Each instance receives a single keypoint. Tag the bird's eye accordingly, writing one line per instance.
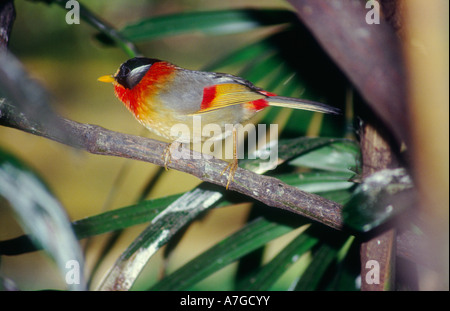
(133, 70)
(135, 76)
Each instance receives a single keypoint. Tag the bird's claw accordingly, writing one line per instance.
(233, 167)
(167, 155)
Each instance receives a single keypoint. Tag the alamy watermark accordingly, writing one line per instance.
(373, 275)
(73, 15)
(73, 274)
(258, 145)
(373, 15)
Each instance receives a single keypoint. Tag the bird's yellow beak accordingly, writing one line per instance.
(106, 79)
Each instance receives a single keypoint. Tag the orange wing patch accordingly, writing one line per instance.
(229, 94)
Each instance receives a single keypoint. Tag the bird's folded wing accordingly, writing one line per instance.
(228, 94)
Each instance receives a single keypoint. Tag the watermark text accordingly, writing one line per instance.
(258, 146)
(73, 15)
(373, 15)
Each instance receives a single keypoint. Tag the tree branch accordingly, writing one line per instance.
(98, 140)
(377, 155)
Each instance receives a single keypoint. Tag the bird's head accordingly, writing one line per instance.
(131, 72)
(138, 80)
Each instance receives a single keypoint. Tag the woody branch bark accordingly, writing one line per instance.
(377, 155)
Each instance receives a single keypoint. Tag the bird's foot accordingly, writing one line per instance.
(233, 167)
(167, 154)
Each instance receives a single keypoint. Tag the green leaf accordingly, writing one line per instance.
(341, 156)
(98, 224)
(339, 196)
(287, 149)
(333, 186)
(249, 238)
(262, 69)
(122, 218)
(248, 54)
(162, 228)
(267, 275)
(41, 215)
(325, 255)
(315, 182)
(380, 197)
(208, 22)
(285, 82)
(349, 268)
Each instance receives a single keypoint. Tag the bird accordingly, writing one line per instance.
(162, 95)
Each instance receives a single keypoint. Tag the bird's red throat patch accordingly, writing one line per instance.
(137, 98)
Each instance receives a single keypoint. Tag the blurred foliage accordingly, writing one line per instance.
(40, 214)
(283, 58)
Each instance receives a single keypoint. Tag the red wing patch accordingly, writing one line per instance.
(258, 104)
(209, 94)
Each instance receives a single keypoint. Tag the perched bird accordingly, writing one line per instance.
(162, 95)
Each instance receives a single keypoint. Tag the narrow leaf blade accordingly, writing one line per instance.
(208, 22)
(265, 277)
(249, 238)
(130, 264)
(341, 156)
(42, 216)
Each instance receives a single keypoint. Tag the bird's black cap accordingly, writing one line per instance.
(133, 70)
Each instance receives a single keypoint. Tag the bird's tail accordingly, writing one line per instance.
(295, 103)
